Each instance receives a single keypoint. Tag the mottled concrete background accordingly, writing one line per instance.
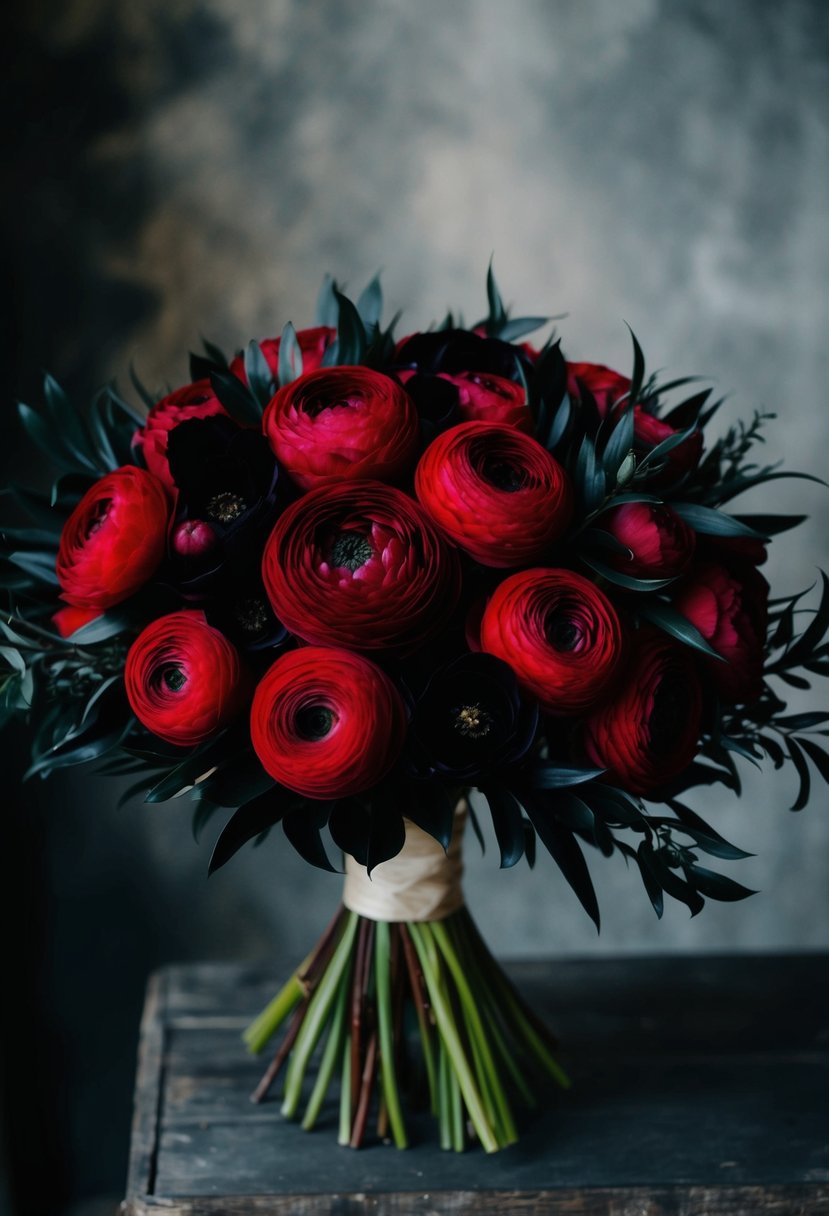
(181, 168)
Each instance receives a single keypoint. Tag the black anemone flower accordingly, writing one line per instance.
(242, 611)
(226, 477)
(458, 350)
(471, 720)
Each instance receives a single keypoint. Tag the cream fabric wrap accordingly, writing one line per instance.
(420, 883)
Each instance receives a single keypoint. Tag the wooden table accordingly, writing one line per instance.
(701, 1086)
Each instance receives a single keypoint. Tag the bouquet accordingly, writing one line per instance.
(343, 580)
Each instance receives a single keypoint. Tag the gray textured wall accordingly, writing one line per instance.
(662, 163)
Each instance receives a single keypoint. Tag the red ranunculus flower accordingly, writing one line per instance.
(485, 398)
(360, 565)
(193, 401)
(327, 723)
(606, 386)
(649, 731)
(342, 422)
(313, 343)
(730, 609)
(660, 542)
(184, 679)
(495, 491)
(559, 633)
(114, 540)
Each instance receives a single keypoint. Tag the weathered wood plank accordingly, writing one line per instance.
(700, 1087)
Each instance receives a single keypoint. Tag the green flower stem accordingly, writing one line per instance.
(419, 1000)
(456, 1105)
(487, 1070)
(469, 951)
(444, 1118)
(265, 1026)
(344, 1135)
(382, 959)
(522, 1023)
(333, 1049)
(446, 1025)
(316, 1017)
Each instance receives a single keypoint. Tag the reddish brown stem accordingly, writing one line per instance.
(261, 1091)
(322, 953)
(357, 989)
(416, 980)
(370, 1068)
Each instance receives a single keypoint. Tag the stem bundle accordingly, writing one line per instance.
(479, 1048)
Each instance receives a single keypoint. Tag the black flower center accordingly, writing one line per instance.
(173, 677)
(226, 506)
(503, 474)
(472, 721)
(563, 633)
(351, 550)
(252, 614)
(314, 722)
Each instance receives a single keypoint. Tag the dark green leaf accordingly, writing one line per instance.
(564, 849)
(802, 768)
(508, 823)
(290, 356)
(497, 312)
(817, 755)
(39, 565)
(519, 327)
(549, 776)
(677, 626)
(637, 378)
(710, 522)
(619, 444)
(625, 580)
(236, 398)
(429, 806)
(817, 627)
(669, 880)
(303, 829)
(251, 819)
(716, 886)
(327, 307)
(351, 333)
(214, 353)
(370, 304)
(259, 375)
(387, 835)
(771, 525)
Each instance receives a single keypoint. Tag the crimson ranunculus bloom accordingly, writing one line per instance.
(327, 723)
(313, 343)
(495, 492)
(606, 386)
(731, 612)
(649, 731)
(485, 398)
(661, 544)
(193, 401)
(114, 540)
(559, 633)
(342, 422)
(360, 565)
(184, 679)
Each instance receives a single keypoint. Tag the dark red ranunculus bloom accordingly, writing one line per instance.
(660, 543)
(606, 386)
(648, 732)
(193, 401)
(184, 679)
(495, 492)
(313, 343)
(730, 609)
(327, 723)
(114, 540)
(488, 398)
(342, 422)
(360, 565)
(559, 633)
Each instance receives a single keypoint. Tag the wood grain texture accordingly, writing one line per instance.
(700, 1088)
